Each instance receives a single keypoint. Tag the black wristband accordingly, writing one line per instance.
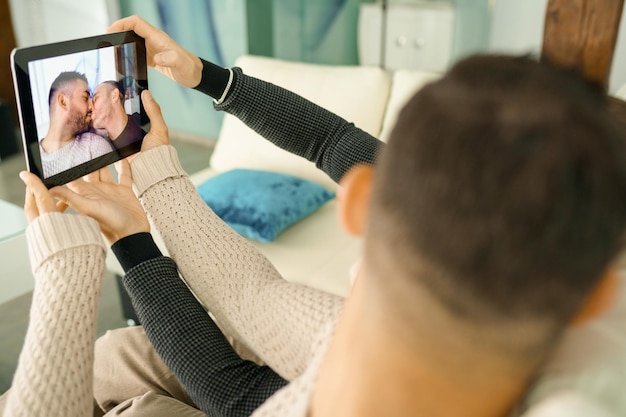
(132, 250)
(214, 79)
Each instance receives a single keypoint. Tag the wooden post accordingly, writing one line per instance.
(7, 43)
(582, 34)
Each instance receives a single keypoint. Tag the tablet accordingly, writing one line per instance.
(79, 104)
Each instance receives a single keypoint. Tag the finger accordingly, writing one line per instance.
(140, 26)
(30, 207)
(62, 206)
(156, 39)
(131, 157)
(121, 25)
(92, 177)
(44, 201)
(165, 62)
(124, 173)
(82, 188)
(76, 201)
(153, 110)
(158, 128)
(73, 185)
(168, 59)
(105, 175)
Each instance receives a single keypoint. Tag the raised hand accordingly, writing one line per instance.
(164, 54)
(113, 205)
(38, 199)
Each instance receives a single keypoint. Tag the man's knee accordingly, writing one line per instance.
(127, 366)
(120, 363)
(119, 352)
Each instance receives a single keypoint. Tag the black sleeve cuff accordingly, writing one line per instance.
(135, 249)
(214, 79)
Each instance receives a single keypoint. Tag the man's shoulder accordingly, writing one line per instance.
(134, 119)
(93, 143)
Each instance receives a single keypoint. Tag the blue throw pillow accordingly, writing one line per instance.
(261, 204)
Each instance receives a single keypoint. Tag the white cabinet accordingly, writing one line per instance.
(416, 35)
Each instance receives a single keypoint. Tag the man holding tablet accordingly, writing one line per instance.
(68, 142)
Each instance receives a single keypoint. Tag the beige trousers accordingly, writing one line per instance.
(129, 376)
(130, 379)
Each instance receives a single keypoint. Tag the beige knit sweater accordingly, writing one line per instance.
(55, 368)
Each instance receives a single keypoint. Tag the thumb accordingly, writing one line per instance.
(166, 59)
(158, 134)
(124, 173)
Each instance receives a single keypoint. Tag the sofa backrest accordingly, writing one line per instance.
(621, 92)
(358, 94)
(403, 86)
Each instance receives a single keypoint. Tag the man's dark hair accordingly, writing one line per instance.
(62, 79)
(502, 192)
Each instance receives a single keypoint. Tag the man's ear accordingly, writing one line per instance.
(63, 101)
(353, 198)
(599, 299)
(116, 96)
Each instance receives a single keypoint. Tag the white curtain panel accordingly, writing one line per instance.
(38, 22)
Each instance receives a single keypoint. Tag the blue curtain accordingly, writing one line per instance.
(320, 31)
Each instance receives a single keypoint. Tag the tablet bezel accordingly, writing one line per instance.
(20, 58)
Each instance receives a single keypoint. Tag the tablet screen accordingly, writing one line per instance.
(80, 104)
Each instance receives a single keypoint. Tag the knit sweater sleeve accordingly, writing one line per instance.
(55, 369)
(241, 288)
(299, 126)
(218, 381)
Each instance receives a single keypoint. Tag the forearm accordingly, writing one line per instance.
(229, 276)
(55, 368)
(290, 121)
(193, 347)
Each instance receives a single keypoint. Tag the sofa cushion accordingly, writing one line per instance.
(403, 86)
(358, 94)
(261, 204)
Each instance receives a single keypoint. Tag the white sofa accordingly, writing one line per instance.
(314, 251)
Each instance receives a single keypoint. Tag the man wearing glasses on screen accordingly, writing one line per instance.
(68, 142)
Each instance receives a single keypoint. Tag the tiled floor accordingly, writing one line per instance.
(14, 314)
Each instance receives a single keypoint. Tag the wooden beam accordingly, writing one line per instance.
(582, 34)
(7, 43)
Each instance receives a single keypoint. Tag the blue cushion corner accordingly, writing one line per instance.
(261, 204)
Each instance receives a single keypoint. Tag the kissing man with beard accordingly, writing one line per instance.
(68, 142)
